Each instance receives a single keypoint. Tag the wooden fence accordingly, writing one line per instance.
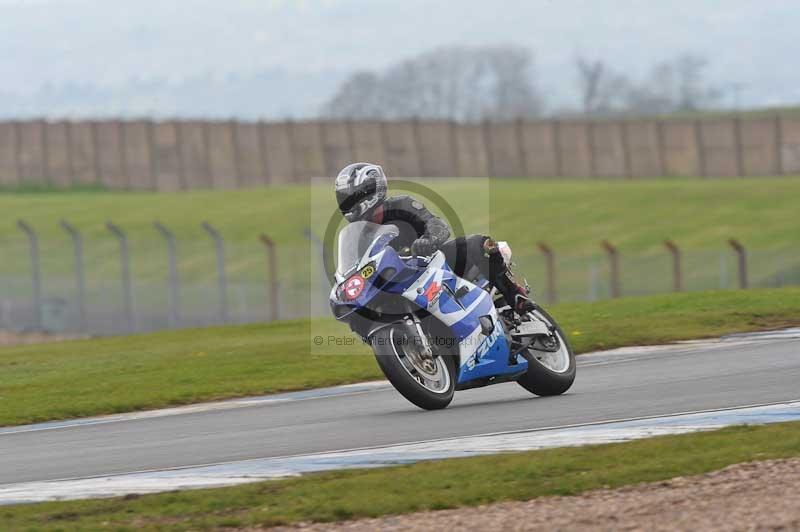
(177, 155)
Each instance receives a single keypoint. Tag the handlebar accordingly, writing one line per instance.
(405, 252)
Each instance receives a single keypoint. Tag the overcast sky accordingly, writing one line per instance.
(109, 42)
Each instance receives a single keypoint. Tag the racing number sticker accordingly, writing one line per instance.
(367, 271)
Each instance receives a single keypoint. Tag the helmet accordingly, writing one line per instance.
(360, 187)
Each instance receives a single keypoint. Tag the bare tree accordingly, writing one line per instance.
(590, 78)
(654, 95)
(451, 83)
(356, 98)
(603, 91)
(673, 86)
(515, 95)
(692, 91)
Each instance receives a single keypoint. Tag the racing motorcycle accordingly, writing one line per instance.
(433, 332)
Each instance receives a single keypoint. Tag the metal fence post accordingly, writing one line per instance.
(677, 277)
(627, 158)
(97, 168)
(152, 153)
(737, 140)
(519, 132)
(45, 146)
(127, 286)
(222, 281)
(233, 128)
(80, 278)
(125, 174)
(177, 127)
(70, 155)
(174, 282)
(589, 127)
(779, 168)
(613, 258)
(661, 146)
(418, 147)
(36, 277)
(262, 151)
(272, 275)
(486, 134)
(742, 256)
(555, 131)
(18, 166)
(453, 138)
(701, 148)
(550, 265)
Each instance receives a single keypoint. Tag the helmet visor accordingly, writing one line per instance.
(352, 197)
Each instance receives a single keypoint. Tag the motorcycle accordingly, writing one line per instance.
(433, 332)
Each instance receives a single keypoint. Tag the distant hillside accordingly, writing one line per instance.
(274, 93)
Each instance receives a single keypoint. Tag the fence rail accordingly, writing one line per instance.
(119, 283)
(178, 155)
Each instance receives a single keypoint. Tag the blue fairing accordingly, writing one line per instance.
(389, 259)
(491, 360)
(431, 285)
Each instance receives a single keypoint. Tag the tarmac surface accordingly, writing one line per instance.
(625, 384)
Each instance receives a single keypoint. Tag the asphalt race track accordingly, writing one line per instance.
(630, 383)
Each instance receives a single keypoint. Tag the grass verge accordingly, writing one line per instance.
(423, 486)
(573, 216)
(121, 374)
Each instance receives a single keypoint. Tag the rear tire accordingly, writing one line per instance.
(390, 346)
(541, 379)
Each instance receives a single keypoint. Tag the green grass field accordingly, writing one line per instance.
(38, 382)
(342, 495)
(121, 374)
(573, 216)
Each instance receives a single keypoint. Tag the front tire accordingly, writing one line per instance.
(429, 383)
(549, 373)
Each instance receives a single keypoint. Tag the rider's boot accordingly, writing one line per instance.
(514, 293)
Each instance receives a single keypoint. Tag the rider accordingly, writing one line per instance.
(361, 194)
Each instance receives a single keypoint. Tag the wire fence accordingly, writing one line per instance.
(114, 283)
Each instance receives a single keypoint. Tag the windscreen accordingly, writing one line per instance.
(355, 240)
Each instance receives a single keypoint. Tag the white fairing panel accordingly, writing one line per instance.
(463, 321)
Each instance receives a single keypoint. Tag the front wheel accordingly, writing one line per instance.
(550, 371)
(426, 381)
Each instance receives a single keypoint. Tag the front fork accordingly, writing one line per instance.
(421, 339)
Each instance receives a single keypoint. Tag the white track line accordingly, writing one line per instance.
(253, 470)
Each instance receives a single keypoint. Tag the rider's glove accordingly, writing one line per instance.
(423, 247)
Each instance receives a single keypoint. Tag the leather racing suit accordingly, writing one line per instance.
(424, 233)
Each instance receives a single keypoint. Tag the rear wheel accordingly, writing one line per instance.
(427, 381)
(551, 368)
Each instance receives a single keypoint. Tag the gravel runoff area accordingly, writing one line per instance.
(751, 496)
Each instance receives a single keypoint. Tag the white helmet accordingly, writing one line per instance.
(360, 187)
